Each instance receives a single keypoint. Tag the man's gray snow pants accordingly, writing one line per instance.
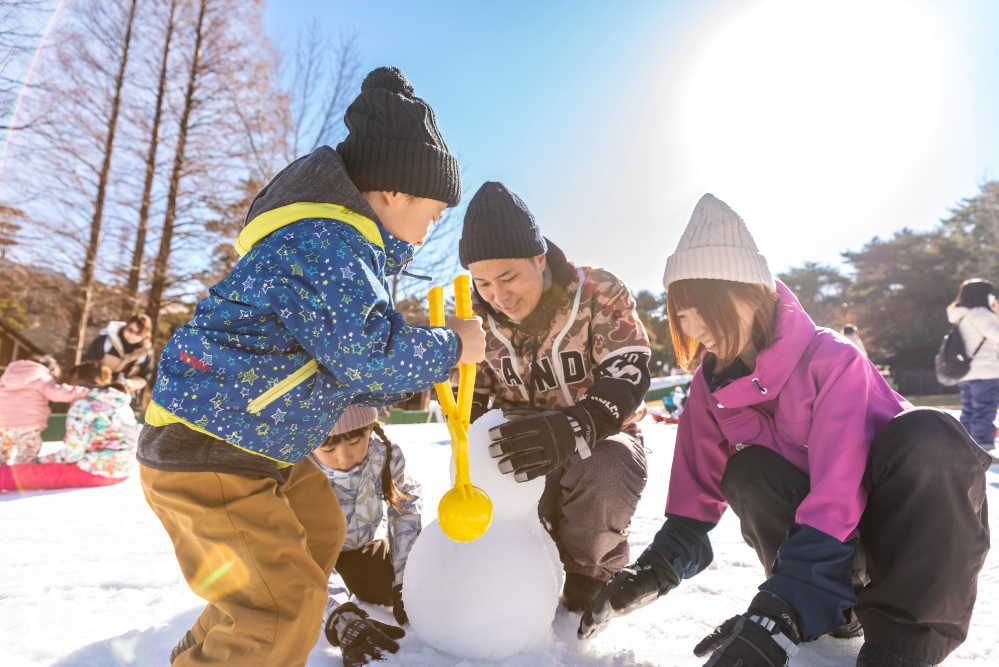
(588, 504)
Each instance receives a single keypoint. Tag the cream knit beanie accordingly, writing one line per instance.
(353, 418)
(717, 245)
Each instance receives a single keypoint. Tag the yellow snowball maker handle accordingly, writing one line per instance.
(465, 512)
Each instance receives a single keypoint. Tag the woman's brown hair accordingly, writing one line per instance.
(389, 490)
(144, 323)
(715, 302)
(91, 372)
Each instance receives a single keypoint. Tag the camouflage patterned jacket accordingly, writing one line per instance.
(583, 343)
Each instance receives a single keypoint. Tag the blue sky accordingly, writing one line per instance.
(822, 125)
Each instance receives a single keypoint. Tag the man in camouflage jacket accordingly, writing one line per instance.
(567, 361)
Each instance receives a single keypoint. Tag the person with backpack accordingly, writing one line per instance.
(973, 314)
(869, 516)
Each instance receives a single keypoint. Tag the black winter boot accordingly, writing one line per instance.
(185, 643)
(852, 628)
(872, 655)
(580, 591)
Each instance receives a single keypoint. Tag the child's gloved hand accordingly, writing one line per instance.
(473, 338)
(398, 609)
(361, 639)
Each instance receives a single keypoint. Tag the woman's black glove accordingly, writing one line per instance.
(536, 441)
(637, 585)
(398, 609)
(765, 636)
(361, 639)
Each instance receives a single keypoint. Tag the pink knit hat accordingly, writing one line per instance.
(353, 418)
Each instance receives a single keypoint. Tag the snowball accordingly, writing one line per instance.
(494, 597)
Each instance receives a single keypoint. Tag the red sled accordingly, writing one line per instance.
(36, 476)
(664, 419)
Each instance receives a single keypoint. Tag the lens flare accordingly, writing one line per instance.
(222, 572)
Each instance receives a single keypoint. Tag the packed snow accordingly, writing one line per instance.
(89, 579)
(495, 596)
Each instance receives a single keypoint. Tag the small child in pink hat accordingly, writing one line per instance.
(367, 470)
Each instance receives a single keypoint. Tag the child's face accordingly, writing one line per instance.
(511, 286)
(406, 218)
(347, 454)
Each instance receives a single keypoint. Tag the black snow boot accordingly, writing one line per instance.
(852, 628)
(187, 642)
(580, 591)
(872, 655)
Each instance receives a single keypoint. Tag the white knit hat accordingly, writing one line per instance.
(717, 245)
(353, 418)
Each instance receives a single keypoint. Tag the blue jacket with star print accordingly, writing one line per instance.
(302, 327)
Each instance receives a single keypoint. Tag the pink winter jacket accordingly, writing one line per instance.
(813, 398)
(25, 391)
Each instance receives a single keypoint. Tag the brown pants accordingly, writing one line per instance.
(287, 535)
(368, 572)
(588, 504)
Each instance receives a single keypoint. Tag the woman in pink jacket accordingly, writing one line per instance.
(26, 388)
(868, 515)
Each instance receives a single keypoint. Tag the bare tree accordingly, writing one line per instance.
(166, 237)
(19, 31)
(138, 253)
(324, 79)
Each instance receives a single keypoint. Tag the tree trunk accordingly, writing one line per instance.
(135, 269)
(163, 257)
(81, 313)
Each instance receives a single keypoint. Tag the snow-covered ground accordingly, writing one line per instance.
(88, 577)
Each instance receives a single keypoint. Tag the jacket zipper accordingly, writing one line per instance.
(283, 387)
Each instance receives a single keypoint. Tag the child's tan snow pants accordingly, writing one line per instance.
(288, 536)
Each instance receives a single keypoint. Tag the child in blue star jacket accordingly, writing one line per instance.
(301, 328)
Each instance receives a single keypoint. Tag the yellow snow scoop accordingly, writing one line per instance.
(465, 512)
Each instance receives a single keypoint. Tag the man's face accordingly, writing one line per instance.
(511, 286)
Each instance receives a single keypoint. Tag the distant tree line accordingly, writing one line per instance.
(893, 290)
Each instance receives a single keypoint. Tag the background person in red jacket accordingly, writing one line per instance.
(567, 356)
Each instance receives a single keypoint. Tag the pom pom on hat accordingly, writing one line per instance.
(391, 79)
(717, 245)
(353, 418)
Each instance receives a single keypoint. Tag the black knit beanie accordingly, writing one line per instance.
(499, 226)
(393, 143)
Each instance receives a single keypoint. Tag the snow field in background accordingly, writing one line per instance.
(88, 578)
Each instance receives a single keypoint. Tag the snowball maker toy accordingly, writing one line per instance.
(465, 512)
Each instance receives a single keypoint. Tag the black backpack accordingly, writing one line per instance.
(951, 363)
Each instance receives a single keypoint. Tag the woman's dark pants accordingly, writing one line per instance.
(979, 401)
(924, 534)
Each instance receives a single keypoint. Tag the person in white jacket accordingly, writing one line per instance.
(974, 313)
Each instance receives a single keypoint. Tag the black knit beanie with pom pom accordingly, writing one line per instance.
(394, 144)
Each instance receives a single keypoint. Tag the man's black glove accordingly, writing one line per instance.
(361, 639)
(398, 609)
(536, 441)
(637, 585)
(765, 636)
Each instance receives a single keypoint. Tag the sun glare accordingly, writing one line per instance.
(833, 104)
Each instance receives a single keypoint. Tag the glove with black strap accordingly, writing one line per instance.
(765, 636)
(361, 639)
(637, 585)
(536, 441)
(398, 609)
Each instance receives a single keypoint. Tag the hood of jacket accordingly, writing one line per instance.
(20, 374)
(956, 313)
(540, 319)
(110, 396)
(317, 185)
(793, 333)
